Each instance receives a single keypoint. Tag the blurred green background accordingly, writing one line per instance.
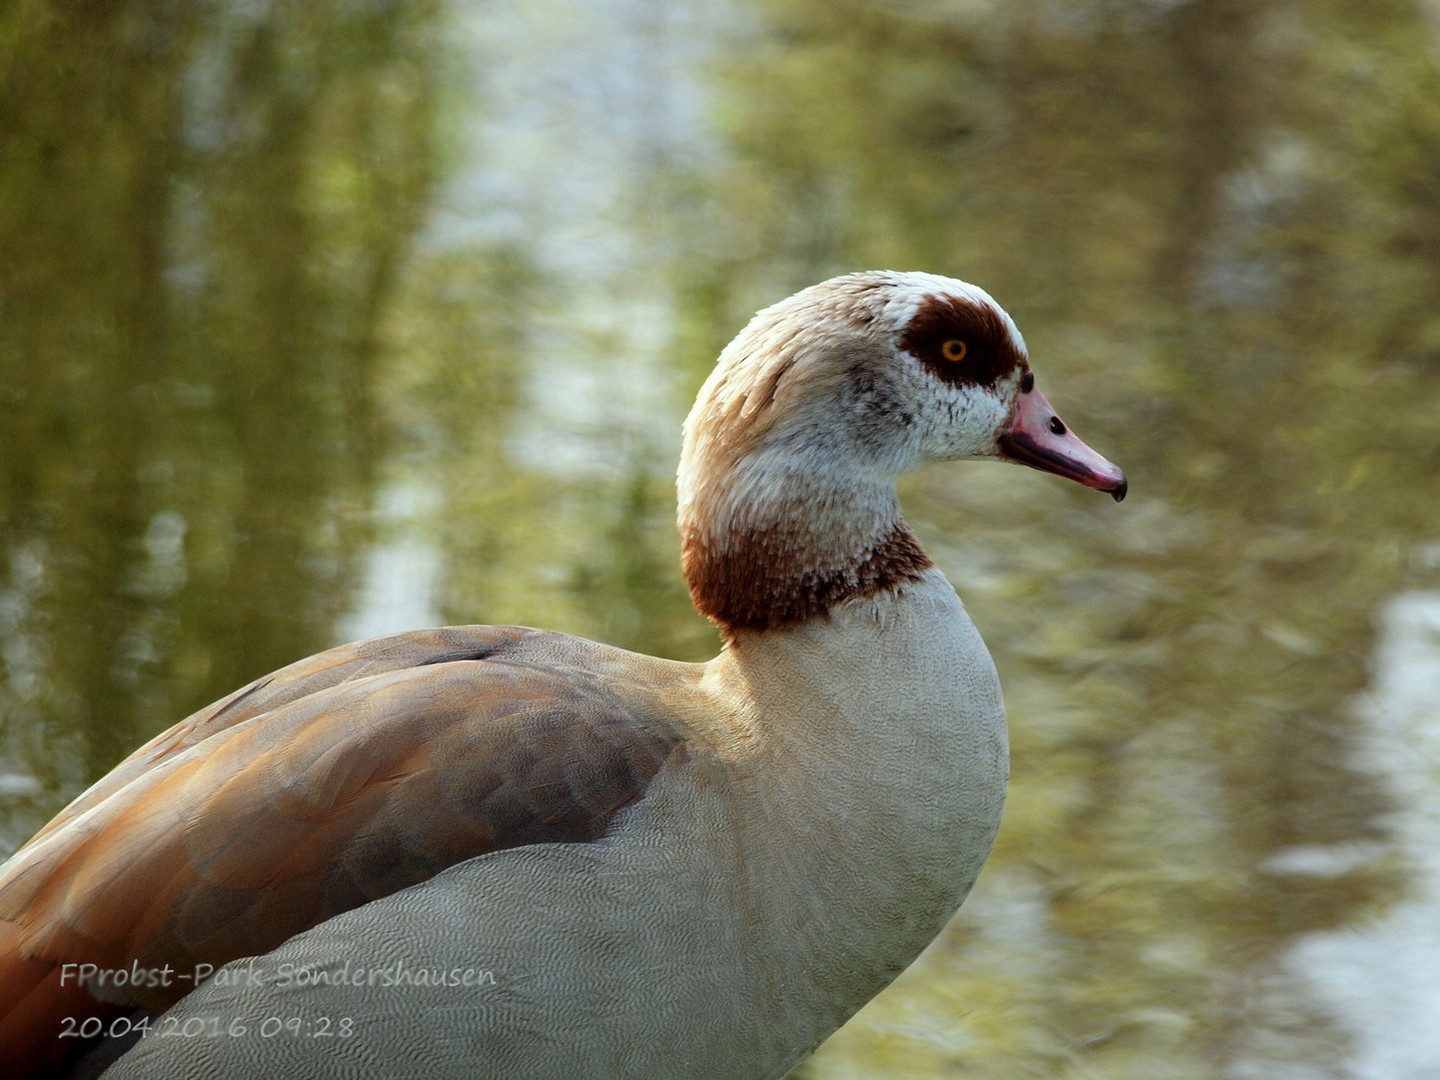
(324, 319)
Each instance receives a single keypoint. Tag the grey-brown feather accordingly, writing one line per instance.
(335, 782)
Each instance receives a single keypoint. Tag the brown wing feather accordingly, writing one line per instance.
(339, 780)
(314, 673)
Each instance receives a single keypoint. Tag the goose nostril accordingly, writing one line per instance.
(1057, 425)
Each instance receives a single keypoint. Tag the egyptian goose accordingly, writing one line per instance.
(502, 852)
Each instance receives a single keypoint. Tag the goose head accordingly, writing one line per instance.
(816, 408)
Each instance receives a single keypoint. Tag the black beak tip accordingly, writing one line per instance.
(1119, 493)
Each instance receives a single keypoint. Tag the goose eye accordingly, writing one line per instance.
(954, 350)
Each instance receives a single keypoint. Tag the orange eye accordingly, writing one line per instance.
(954, 350)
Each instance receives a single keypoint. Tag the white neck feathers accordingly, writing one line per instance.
(787, 497)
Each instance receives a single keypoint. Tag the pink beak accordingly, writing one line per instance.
(1039, 438)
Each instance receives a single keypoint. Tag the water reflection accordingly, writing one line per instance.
(301, 304)
(201, 217)
(1383, 976)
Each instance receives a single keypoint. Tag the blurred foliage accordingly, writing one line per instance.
(229, 323)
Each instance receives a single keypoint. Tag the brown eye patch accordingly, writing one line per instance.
(961, 341)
